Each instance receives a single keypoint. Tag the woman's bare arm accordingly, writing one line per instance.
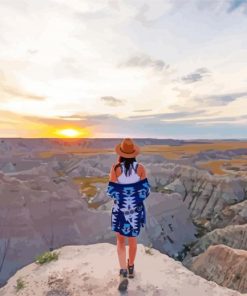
(141, 171)
(113, 174)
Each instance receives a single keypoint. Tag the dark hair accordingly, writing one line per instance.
(128, 162)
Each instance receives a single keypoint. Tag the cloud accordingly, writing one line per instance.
(207, 120)
(176, 107)
(142, 110)
(196, 76)
(172, 115)
(236, 4)
(9, 90)
(32, 51)
(6, 122)
(64, 62)
(226, 118)
(15, 92)
(164, 125)
(78, 120)
(112, 101)
(15, 125)
(109, 125)
(150, 14)
(72, 117)
(141, 16)
(180, 114)
(114, 4)
(220, 100)
(100, 118)
(145, 61)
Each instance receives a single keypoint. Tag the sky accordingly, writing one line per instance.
(124, 68)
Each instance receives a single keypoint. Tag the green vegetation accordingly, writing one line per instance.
(46, 257)
(87, 184)
(20, 284)
(148, 250)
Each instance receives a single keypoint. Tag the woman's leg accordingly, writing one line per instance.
(132, 249)
(121, 250)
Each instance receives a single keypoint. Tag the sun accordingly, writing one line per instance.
(70, 133)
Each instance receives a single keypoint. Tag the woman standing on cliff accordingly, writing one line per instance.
(129, 187)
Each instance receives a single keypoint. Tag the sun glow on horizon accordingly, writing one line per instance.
(72, 133)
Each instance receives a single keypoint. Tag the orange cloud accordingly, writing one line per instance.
(16, 125)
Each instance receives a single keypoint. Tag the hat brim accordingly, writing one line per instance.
(127, 155)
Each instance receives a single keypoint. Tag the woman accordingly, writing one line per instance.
(128, 186)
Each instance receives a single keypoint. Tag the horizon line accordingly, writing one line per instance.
(153, 138)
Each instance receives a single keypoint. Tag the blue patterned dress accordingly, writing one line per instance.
(128, 212)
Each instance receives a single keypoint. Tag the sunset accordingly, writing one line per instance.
(123, 147)
(72, 133)
(123, 67)
(69, 132)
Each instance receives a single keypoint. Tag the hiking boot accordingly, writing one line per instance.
(123, 280)
(131, 270)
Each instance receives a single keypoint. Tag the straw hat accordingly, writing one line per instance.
(127, 148)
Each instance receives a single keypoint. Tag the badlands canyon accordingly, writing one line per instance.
(53, 196)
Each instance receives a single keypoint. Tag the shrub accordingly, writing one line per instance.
(46, 257)
(148, 251)
(20, 284)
